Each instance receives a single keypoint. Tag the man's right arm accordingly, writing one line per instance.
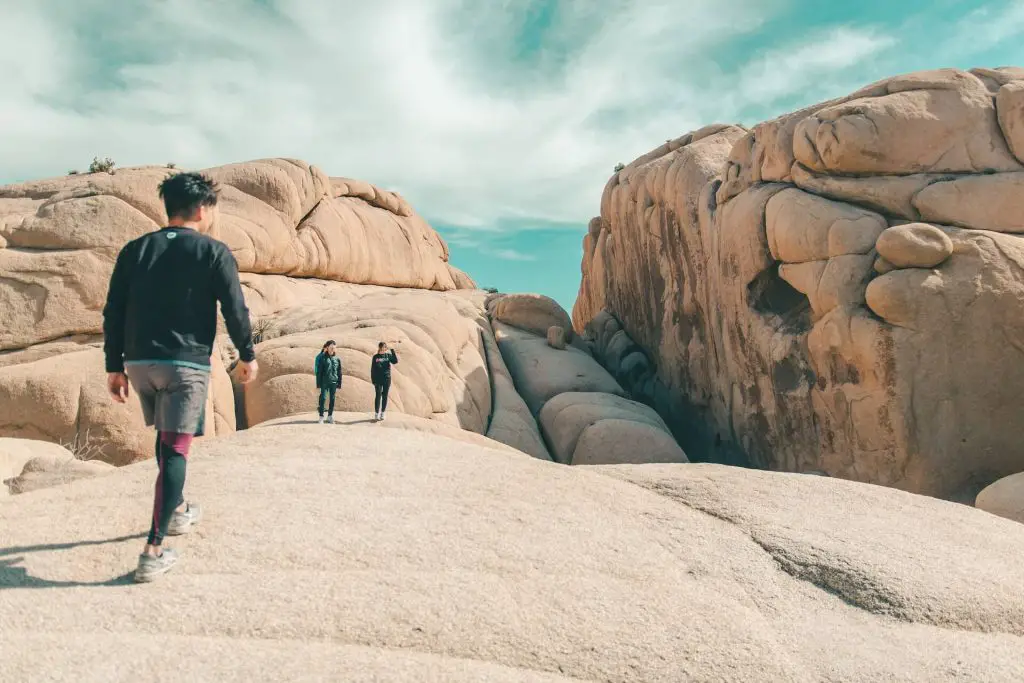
(228, 290)
(115, 311)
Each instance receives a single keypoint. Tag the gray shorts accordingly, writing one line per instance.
(173, 397)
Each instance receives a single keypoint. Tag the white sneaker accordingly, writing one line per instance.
(321, 420)
(376, 417)
(381, 417)
(330, 419)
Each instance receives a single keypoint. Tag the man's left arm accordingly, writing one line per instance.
(115, 312)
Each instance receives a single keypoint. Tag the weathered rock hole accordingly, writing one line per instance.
(771, 296)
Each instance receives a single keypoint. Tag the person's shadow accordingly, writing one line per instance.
(14, 576)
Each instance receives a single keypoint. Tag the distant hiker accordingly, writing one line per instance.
(327, 368)
(380, 375)
(159, 325)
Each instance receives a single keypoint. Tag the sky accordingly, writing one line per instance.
(500, 121)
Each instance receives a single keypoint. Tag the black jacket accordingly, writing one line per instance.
(162, 301)
(380, 366)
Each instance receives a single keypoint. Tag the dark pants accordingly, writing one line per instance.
(171, 457)
(380, 399)
(324, 393)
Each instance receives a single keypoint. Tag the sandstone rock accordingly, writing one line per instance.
(440, 544)
(57, 392)
(512, 423)
(915, 245)
(278, 215)
(1004, 498)
(556, 337)
(983, 202)
(933, 122)
(541, 372)
(890, 194)
(595, 429)
(814, 328)
(531, 312)
(46, 471)
(14, 453)
(1010, 104)
(802, 227)
(441, 374)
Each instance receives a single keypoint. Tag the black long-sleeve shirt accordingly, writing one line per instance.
(380, 366)
(162, 301)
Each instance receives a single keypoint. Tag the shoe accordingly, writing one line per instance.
(152, 567)
(381, 418)
(182, 522)
(321, 420)
(330, 419)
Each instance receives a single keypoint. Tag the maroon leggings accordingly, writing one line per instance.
(171, 457)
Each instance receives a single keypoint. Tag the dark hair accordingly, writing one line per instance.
(183, 193)
(381, 345)
(326, 344)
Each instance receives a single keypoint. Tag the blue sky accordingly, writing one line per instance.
(500, 121)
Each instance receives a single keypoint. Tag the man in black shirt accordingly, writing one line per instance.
(159, 325)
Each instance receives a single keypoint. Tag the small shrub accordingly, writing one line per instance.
(619, 167)
(104, 166)
(72, 172)
(491, 290)
(82, 446)
(171, 164)
(259, 328)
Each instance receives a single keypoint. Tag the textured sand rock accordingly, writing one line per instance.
(59, 238)
(449, 561)
(832, 290)
(1004, 498)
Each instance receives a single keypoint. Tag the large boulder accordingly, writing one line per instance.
(14, 453)
(1004, 498)
(46, 471)
(442, 372)
(59, 238)
(818, 293)
(57, 392)
(534, 313)
(605, 429)
(451, 561)
(541, 372)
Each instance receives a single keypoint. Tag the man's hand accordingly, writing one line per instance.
(247, 371)
(117, 386)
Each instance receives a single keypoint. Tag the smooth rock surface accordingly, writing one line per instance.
(1004, 498)
(454, 562)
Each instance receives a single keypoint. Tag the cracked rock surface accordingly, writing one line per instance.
(839, 289)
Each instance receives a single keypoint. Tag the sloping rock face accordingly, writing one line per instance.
(837, 289)
(451, 561)
(584, 415)
(283, 217)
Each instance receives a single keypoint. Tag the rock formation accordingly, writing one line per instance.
(451, 561)
(1004, 498)
(582, 411)
(283, 219)
(320, 258)
(838, 289)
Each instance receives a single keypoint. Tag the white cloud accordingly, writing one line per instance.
(417, 95)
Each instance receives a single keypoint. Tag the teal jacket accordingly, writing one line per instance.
(327, 370)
